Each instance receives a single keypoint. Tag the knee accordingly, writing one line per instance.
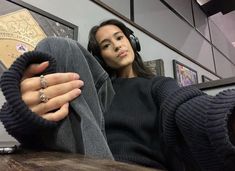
(55, 44)
(51, 41)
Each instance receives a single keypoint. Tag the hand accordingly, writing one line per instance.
(61, 89)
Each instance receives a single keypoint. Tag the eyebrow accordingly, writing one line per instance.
(108, 39)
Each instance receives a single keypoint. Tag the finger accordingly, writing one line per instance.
(56, 102)
(34, 69)
(59, 114)
(51, 79)
(32, 97)
(60, 89)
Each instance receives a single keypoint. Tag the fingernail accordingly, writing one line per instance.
(46, 62)
(76, 76)
(77, 92)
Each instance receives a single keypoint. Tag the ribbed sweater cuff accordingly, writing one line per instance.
(15, 114)
(168, 111)
(218, 120)
(203, 121)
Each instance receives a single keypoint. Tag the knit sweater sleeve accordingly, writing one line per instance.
(17, 118)
(202, 121)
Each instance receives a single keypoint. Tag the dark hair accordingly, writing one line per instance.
(94, 48)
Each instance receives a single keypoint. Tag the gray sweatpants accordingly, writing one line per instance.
(86, 111)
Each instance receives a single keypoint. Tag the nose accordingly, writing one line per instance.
(117, 45)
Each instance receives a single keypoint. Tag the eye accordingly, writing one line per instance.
(105, 46)
(120, 37)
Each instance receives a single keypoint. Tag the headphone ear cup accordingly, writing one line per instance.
(138, 48)
(135, 42)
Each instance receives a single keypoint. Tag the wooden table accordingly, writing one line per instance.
(50, 161)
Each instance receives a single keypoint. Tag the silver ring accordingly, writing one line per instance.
(42, 96)
(43, 81)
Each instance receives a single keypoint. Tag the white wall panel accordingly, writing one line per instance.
(121, 6)
(224, 67)
(183, 7)
(163, 23)
(221, 42)
(201, 21)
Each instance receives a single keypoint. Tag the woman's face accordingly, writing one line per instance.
(116, 49)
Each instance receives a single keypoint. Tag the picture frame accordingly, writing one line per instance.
(156, 66)
(184, 75)
(22, 26)
(205, 79)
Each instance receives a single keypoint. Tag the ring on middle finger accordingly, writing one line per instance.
(43, 98)
(43, 81)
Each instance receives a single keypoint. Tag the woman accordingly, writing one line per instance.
(148, 120)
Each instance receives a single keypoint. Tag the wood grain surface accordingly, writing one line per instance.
(50, 161)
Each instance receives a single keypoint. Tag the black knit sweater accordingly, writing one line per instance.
(132, 123)
(191, 127)
(18, 119)
(146, 126)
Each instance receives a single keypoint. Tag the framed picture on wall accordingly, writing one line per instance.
(205, 79)
(156, 66)
(184, 75)
(22, 26)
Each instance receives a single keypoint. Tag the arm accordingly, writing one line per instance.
(205, 122)
(23, 116)
(201, 120)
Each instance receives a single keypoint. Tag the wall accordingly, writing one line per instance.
(183, 25)
(73, 11)
(123, 6)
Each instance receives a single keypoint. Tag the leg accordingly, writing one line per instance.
(72, 57)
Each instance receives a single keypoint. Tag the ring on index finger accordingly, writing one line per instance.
(43, 98)
(43, 81)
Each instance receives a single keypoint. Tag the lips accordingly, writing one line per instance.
(122, 53)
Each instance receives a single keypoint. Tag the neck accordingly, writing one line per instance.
(126, 72)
